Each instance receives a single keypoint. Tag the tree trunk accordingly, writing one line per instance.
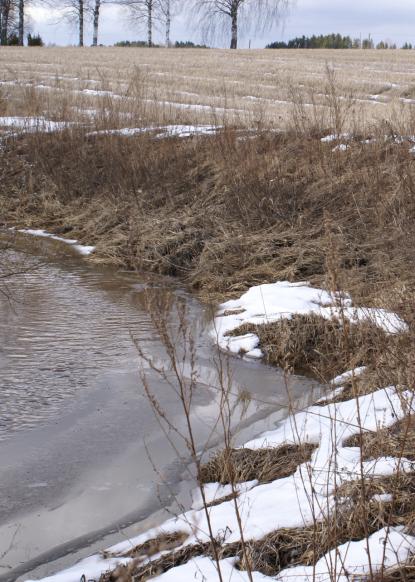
(234, 31)
(21, 22)
(96, 22)
(168, 23)
(4, 18)
(81, 22)
(150, 22)
(1, 20)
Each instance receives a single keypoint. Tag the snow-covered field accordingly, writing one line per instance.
(306, 497)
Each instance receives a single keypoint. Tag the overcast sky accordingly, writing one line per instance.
(383, 19)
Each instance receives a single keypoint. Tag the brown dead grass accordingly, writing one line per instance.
(395, 441)
(313, 345)
(265, 465)
(226, 213)
(221, 213)
(289, 547)
(254, 88)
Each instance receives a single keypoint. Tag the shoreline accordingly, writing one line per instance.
(257, 423)
(385, 399)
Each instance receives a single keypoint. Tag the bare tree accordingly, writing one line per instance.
(96, 13)
(219, 14)
(21, 22)
(165, 11)
(7, 20)
(74, 11)
(142, 11)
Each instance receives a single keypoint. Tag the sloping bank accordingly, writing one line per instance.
(330, 491)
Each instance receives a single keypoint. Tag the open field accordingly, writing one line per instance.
(250, 88)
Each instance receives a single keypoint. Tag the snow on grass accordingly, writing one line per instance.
(213, 492)
(162, 131)
(387, 548)
(204, 569)
(33, 124)
(346, 376)
(343, 147)
(272, 302)
(336, 137)
(348, 561)
(99, 93)
(82, 249)
(309, 494)
(294, 501)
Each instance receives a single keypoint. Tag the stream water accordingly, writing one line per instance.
(78, 439)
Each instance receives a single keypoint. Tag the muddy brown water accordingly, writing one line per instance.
(78, 438)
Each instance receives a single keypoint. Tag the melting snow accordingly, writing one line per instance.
(33, 124)
(164, 131)
(272, 302)
(82, 249)
(293, 501)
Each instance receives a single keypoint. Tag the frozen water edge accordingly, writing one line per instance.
(310, 493)
(82, 249)
(290, 502)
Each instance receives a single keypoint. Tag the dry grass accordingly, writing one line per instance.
(251, 88)
(398, 440)
(313, 345)
(265, 465)
(221, 213)
(225, 214)
(289, 547)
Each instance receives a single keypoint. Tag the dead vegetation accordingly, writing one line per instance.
(354, 518)
(221, 213)
(265, 465)
(251, 88)
(397, 440)
(313, 345)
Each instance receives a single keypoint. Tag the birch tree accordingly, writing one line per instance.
(227, 15)
(74, 11)
(142, 12)
(7, 20)
(21, 22)
(166, 9)
(95, 15)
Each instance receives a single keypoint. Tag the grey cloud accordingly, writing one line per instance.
(381, 18)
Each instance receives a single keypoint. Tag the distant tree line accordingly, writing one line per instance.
(212, 17)
(333, 41)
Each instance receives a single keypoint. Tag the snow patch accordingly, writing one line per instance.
(294, 501)
(82, 249)
(349, 561)
(163, 131)
(33, 124)
(341, 148)
(272, 302)
(336, 137)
